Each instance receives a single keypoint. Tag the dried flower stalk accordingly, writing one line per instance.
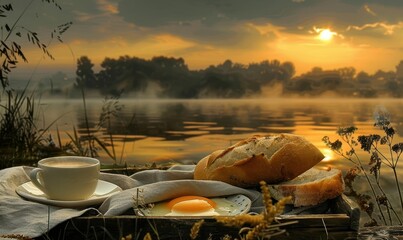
(260, 224)
(371, 144)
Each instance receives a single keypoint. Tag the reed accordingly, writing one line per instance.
(108, 120)
(111, 110)
(22, 140)
(88, 143)
(25, 137)
(378, 205)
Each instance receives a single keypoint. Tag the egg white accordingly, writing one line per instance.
(210, 212)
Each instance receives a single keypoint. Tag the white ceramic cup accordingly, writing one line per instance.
(66, 178)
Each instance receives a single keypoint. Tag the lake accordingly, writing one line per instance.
(148, 131)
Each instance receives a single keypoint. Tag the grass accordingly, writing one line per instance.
(25, 137)
(22, 140)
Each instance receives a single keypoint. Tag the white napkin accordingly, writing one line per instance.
(19, 216)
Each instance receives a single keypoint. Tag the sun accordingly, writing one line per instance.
(326, 35)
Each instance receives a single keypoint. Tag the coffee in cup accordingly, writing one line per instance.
(66, 178)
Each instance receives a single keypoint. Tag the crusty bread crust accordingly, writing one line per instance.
(310, 188)
(272, 159)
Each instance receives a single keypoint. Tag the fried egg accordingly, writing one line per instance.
(193, 206)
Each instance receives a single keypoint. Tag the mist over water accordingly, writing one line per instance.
(156, 130)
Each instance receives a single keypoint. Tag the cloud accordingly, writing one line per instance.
(157, 13)
(209, 31)
(387, 29)
(229, 24)
(392, 3)
(218, 23)
(369, 10)
(108, 6)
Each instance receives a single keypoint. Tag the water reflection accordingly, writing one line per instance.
(187, 130)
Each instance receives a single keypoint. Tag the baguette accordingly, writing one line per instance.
(310, 188)
(272, 159)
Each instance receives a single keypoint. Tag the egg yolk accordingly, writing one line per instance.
(191, 204)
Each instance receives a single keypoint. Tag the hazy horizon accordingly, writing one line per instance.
(329, 34)
(41, 71)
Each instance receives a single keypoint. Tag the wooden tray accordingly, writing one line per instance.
(340, 222)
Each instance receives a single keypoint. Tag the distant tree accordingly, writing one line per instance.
(346, 73)
(381, 75)
(136, 75)
(288, 70)
(394, 88)
(304, 86)
(275, 72)
(110, 76)
(238, 67)
(222, 85)
(368, 93)
(268, 72)
(316, 71)
(85, 75)
(393, 84)
(173, 75)
(363, 77)
(226, 66)
(170, 63)
(399, 71)
(365, 85)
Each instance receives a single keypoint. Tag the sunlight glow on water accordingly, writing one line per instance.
(329, 155)
(177, 130)
(185, 131)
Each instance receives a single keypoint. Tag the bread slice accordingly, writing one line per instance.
(273, 159)
(310, 188)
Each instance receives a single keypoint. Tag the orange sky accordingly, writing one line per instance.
(329, 34)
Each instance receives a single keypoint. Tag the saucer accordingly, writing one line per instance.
(104, 190)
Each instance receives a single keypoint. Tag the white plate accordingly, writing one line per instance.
(225, 206)
(104, 189)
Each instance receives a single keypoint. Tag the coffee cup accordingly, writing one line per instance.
(66, 178)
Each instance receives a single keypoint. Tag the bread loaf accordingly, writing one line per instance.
(310, 188)
(273, 159)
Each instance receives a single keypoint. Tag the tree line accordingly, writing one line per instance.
(171, 78)
(347, 82)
